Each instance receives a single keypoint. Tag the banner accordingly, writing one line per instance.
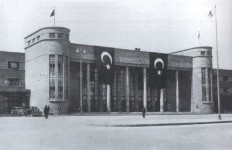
(105, 64)
(158, 70)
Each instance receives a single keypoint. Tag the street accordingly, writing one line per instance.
(74, 132)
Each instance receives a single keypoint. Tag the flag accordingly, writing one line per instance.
(158, 70)
(210, 14)
(105, 64)
(53, 13)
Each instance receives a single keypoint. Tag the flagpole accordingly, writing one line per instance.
(199, 36)
(218, 92)
(54, 16)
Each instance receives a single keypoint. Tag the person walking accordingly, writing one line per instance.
(45, 111)
(59, 110)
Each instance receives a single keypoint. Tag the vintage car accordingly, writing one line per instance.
(17, 111)
(33, 111)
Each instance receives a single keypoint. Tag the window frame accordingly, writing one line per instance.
(10, 66)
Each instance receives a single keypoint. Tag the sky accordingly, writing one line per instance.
(161, 26)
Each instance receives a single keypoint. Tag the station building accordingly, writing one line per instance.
(62, 74)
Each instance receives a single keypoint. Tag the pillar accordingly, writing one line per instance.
(81, 86)
(145, 88)
(88, 88)
(108, 97)
(177, 91)
(161, 100)
(127, 90)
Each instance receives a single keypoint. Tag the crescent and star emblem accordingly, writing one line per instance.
(155, 65)
(109, 56)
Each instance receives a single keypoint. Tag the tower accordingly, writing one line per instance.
(47, 67)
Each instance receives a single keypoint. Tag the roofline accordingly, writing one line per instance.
(11, 52)
(46, 28)
(131, 50)
(191, 49)
(215, 69)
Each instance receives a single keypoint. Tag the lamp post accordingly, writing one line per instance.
(218, 86)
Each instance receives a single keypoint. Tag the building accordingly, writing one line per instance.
(63, 74)
(225, 82)
(12, 81)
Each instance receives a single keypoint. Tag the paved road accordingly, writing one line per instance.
(73, 132)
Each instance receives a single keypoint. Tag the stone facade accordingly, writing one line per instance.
(188, 86)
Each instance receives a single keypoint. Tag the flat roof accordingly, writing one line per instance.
(46, 28)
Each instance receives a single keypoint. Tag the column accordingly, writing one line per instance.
(88, 88)
(119, 82)
(177, 91)
(81, 86)
(108, 97)
(161, 100)
(96, 92)
(127, 90)
(56, 77)
(145, 88)
(64, 78)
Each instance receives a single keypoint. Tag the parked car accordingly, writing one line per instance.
(17, 111)
(35, 111)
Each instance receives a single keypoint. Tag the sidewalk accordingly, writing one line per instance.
(157, 120)
(136, 119)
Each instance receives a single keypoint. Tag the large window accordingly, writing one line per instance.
(13, 65)
(13, 82)
(203, 74)
(206, 92)
(52, 77)
(58, 77)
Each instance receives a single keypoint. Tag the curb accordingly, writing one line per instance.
(163, 124)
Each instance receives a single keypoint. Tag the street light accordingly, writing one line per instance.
(218, 92)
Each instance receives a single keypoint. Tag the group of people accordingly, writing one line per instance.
(46, 111)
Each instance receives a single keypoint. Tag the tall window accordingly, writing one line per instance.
(52, 77)
(203, 75)
(58, 77)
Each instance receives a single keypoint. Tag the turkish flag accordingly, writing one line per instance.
(158, 70)
(105, 64)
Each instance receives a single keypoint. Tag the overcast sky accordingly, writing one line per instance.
(151, 25)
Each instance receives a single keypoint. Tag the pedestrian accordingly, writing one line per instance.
(45, 111)
(59, 109)
(144, 111)
(48, 109)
